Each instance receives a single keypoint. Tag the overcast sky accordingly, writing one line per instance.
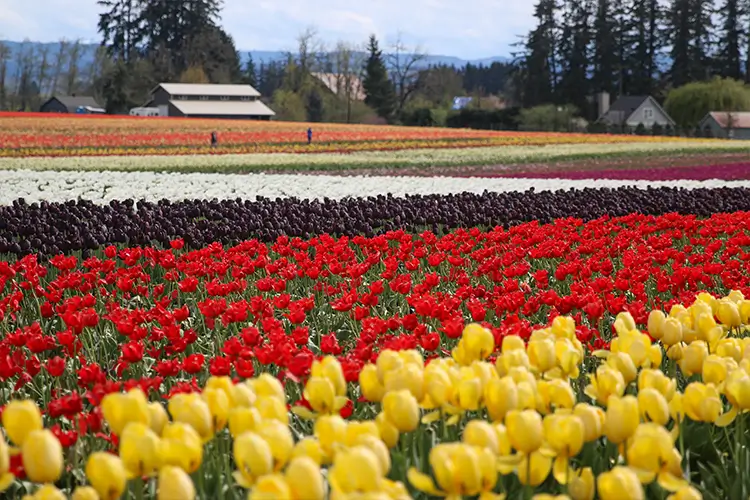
(469, 29)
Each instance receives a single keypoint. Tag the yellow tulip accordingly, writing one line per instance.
(716, 369)
(85, 493)
(653, 406)
(701, 402)
(107, 475)
(500, 396)
(563, 327)
(271, 487)
(655, 324)
(512, 343)
(191, 409)
(279, 438)
(541, 353)
(624, 323)
(355, 469)
(618, 484)
(407, 376)
(380, 450)
(477, 343)
(458, 469)
(652, 455)
(46, 492)
(622, 419)
(355, 430)
(42, 456)
(243, 419)
(672, 332)
(692, 358)
(330, 368)
(253, 458)
(525, 430)
(728, 313)
(481, 434)
(593, 419)
(388, 360)
(121, 409)
(237, 395)
(321, 394)
(158, 417)
(582, 485)
(218, 405)
(6, 478)
(514, 358)
(730, 348)
(182, 447)
(686, 493)
(564, 433)
(309, 447)
(331, 430)
(623, 363)
(656, 379)
(401, 410)
(370, 385)
(20, 418)
(534, 468)
(175, 484)
(140, 450)
(388, 432)
(272, 408)
(266, 385)
(607, 382)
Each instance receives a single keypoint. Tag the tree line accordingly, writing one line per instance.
(579, 48)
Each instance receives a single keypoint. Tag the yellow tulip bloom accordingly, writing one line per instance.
(174, 484)
(182, 447)
(623, 417)
(253, 458)
(20, 418)
(107, 475)
(401, 410)
(140, 450)
(42, 456)
(618, 484)
(121, 409)
(525, 430)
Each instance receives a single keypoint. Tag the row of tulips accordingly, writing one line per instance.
(168, 321)
(471, 424)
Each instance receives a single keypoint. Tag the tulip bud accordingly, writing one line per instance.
(656, 320)
(20, 418)
(620, 482)
(42, 456)
(106, 474)
(175, 484)
(402, 410)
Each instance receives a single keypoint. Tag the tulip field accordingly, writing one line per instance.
(545, 316)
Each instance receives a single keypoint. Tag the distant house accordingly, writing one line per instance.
(631, 111)
(487, 103)
(336, 83)
(71, 104)
(727, 124)
(198, 100)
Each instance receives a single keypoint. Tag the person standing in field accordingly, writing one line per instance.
(309, 136)
(214, 139)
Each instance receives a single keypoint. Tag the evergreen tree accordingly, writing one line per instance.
(606, 52)
(680, 39)
(379, 92)
(120, 27)
(250, 74)
(644, 37)
(574, 54)
(728, 62)
(538, 74)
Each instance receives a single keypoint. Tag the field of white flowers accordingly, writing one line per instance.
(102, 187)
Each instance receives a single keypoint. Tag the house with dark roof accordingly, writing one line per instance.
(209, 100)
(631, 111)
(71, 104)
(727, 124)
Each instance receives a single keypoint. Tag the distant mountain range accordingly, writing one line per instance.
(259, 56)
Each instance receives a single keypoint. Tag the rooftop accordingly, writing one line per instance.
(209, 89)
(223, 108)
(740, 119)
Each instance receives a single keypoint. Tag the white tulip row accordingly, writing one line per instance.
(102, 187)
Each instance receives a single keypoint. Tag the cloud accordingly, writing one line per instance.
(469, 29)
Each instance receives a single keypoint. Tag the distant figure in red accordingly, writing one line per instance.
(309, 135)
(214, 139)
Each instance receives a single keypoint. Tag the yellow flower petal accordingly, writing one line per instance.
(670, 482)
(727, 418)
(423, 482)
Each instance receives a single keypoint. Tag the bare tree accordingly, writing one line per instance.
(404, 66)
(42, 70)
(4, 58)
(57, 68)
(348, 67)
(74, 60)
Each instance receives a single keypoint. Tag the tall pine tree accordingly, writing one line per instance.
(605, 48)
(729, 57)
(379, 92)
(539, 64)
(574, 54)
